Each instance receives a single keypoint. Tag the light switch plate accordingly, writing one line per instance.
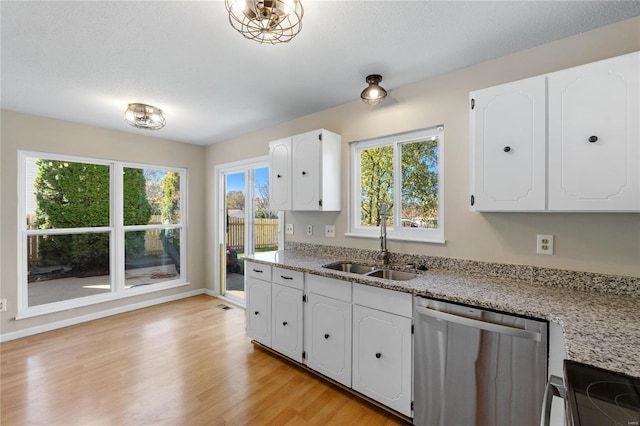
(289, 229)
(330, 231)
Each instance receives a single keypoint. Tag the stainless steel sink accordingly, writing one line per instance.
(354, 268)
(370, 271)
(390, 274)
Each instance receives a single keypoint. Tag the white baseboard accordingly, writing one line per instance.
(96, 315)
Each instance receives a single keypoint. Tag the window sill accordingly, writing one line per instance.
(397, 238)
(81, 302)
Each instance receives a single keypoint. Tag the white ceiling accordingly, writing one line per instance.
(84, 61)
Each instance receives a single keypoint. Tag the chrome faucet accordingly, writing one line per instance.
(384, 253)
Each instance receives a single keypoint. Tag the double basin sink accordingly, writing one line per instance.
(370, 271)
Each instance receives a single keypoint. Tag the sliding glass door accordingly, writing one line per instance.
(248, 226)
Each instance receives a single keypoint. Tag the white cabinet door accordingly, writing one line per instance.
(327, 337)
(286, 323)
(306, 171)
(382, 357)
(594, 136)
(508, 148)
(258, 310)
(280, 175)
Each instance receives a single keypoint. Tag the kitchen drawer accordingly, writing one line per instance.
(330, 287)
(394, 302)
(258, 271)
(288, 277)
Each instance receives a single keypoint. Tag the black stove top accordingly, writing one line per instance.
(598, 397)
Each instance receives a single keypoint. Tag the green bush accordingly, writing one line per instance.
(77, 195)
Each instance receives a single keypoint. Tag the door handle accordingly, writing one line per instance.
(488, 326)
(555, 387)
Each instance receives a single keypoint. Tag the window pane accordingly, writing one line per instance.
(63, 267)
(64, 194)
(266, 221)
(376, 184)
(151, 196)
(151, 256)
(420, 184)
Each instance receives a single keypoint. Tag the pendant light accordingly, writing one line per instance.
(266, 21)
(144, 116)
(374, 94)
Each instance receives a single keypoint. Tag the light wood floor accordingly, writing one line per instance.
(186, 362)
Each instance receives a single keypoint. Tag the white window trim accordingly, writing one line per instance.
(398, 233)
(115, 228)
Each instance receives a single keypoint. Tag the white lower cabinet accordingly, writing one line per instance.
(382, 357)
(357, 335)
(258, 310)
(382, 346)
(286, 325)
(327, 337)
(327, 327)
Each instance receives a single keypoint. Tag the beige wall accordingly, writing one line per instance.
(26, 132)
(606, 243)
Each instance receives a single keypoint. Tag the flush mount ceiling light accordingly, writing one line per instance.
(374, 94)
(266, 21)
(144, 116)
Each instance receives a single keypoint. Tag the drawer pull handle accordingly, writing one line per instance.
(593, 139)
(507, 148)
(304, 173)
(326, 336)
(284, 323)
(256, 312)
(378, 355)
(278, 176)
(286, 278)
(257, 270)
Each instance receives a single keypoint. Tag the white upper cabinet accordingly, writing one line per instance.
(280, 175)
(565, 141)
(305, 172)
(508, 146)
(594, 137)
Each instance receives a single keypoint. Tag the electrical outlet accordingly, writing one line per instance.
(330, 231)
(3, 305)
(289, 229)
(545, 244)
(309, 229)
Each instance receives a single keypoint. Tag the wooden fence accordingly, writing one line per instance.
(265, 233)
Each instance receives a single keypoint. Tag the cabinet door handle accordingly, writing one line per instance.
(326, 336)
(593, 139)
(257, 270)
(304, 173)
(286, 278)
(507, 148)
(256, 312)
(378, 355)
(278, 176)
(284, 323)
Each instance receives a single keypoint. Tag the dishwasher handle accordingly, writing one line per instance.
(488, 326)
(555, 387)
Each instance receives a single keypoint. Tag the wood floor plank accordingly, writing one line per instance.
(186, 362)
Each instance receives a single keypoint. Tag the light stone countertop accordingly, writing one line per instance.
(600, 329)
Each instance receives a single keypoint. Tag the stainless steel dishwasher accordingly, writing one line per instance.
(477, 367)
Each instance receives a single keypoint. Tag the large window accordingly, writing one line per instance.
(404, 171)
(95, 230)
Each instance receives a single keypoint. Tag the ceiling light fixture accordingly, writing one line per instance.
(374, 94)
(144, 116)
(266, 21)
